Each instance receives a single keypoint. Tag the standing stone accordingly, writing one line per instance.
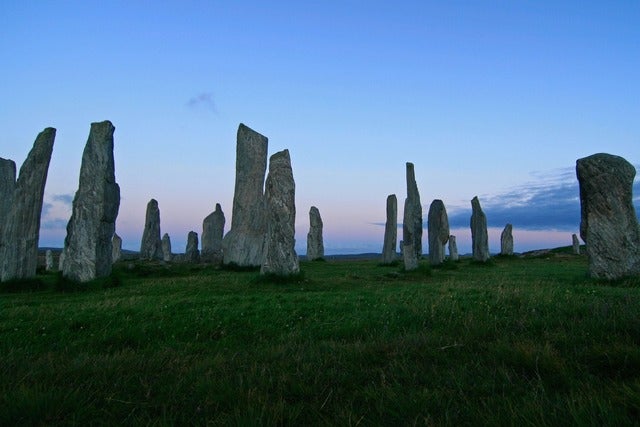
(88, 246)
(609, 225)
(576, 244)
(409, 257)
(390, 231)
(280, 256)
(192, 254)
(151, 246)
(453, 248)
(479, 236)
(438, 228)
(167, 256)
(61, 261)
(212, 232)
(7, 190)
(21, 222)
(412, 220)
(315, 245)
(116, 252)
(243, 244)
(506, 240)
(48, 260)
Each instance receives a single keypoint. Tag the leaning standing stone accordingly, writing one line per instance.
(453, 248)
(506, 240)
(48, 260)
(438, 228)
(479, 235)
(192, 254)
(280, 256)
(21, 225)
(576, 244)
(116, 252)
(167, 256)
(390, 231)
(88, 246)
(315, 245)
(412, 220)
(151, 246)
(609, 225)
(212, 232)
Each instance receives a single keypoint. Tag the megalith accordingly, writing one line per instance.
(280, 256)
(609, 225)
(243, 243)
(438, 229)
(453, 249)
(576, 244)
(409, 257)
(315, 244)
(116, 248)
(390, 231)
(48, 260)
(192, 254)
(167, 256)
(21, 219)
(88, 246)
(212, 233)
(479, 235)
(412, 219)
(506, 240)
(151, 246)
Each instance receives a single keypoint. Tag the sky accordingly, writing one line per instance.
(495, 99)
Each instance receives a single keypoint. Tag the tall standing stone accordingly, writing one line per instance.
(453, 248)
(192, 254)
(88, 245)
(7, 190)
(438, 228)
(609, 225)
(576, 244)
(151, 246)
(412, 220)
(315, 244)
(280, 256)
(48, 260)
(21, 224)
(390, 231)
(116, 251)
(479, 235)
(506, 240)
(212, 232)
(243, 244)
(167, 256)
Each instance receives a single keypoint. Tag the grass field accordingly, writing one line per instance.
(516, 342)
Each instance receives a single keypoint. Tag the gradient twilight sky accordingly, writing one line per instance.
(490, 98)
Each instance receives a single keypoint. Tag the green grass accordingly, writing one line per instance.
(518, 342)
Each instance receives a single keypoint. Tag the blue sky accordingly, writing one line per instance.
(496, 99)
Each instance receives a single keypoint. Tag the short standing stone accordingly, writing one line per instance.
(438, 228)
(609, 225)
(506, 240)
(390, 231)
(88, 246)
(116, 252)
(167, 256)
(479, 235)
(280, 256)
(192, 254)
(412, 219)
(212, 232)
(576, 244)
(409, 257)
(315, 245)
(151, 247)
(453, 248)
(48, 260)
(21, 225)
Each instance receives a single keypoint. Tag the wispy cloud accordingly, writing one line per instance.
(203, 101)
(66, 199)
(56, 210)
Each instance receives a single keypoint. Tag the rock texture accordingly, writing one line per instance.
(192, 254)
(48, 260)
(409, 257)
(21, 223)
(438, 229)
(7, 189)
(315, 245)
(479, 236)
(116, 248)
(412, 220)
(243, 244)
(609, 225)
(506, 240)
(390, 231)
(88, 245)
(167, 256)
(453, 249)
(280, 257)
(212, 233)
(151, 246)
(576, 244)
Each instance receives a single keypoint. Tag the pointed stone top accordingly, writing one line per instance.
(281, 158)
(218, 207)
(475, 203)
(245, 131)
(152, 202)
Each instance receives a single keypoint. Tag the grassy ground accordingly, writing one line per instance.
(516, 342)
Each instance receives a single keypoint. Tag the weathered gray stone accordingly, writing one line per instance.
(116, 248)
(192, 254)
(438, 228)
(453, 248)
(48, 260)
(151, 246)
(7, 189)
(88, 246)
(412, 219)
(576, 244)
(167, 256)
(21, 225)
(212, 232)
(390, 231)
(506, 240)
(479, 235)
(609, 225)
(61, 261)
(280, 256)
(409, 257)
(243, 244)
(315, 244)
